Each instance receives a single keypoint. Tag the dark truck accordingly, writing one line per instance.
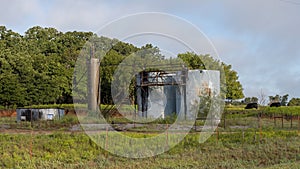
(251, 106)
(275, 104)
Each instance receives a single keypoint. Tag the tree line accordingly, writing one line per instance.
(282, 100)
(38, 67)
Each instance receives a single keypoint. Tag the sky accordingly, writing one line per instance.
(260, 39)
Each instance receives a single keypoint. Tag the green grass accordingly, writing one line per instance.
(231, 150)
(71, 106)
(288, 165)
(61, 124)
(283, 110)
(244, 147)
(7, 120)
(247, 146)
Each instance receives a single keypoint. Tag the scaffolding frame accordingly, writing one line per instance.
(153, 78)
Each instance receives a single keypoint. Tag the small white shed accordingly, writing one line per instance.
(28, 114)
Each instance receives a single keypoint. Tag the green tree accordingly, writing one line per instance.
(38, 68)
(250, 100)
(233, 85)
(281, 99)
(12, 54)
(247, 100)
(11, 91)
(40, 65)
(284, 100)
(71, 44)
(294, 102)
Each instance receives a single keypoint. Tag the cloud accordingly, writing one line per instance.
(18, 14)
(76, 15)
(260, 39)
(89, 15)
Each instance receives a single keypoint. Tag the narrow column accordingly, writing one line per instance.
(93, 82)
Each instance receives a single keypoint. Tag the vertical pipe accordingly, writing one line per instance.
(144, 93)
(138, 93)
(89, 80)
(184, 79)
(99, 86)
(93, 83)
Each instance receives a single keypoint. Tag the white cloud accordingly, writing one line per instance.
(260, 39)
(16, 14)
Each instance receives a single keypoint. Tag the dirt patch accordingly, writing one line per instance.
(33, 132)
(8, 113)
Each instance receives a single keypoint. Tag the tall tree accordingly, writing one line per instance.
(37, 68)
(250, 100)
(281, 99)
(284, 100)
(294, 102)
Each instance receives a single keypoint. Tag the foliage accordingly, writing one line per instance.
(45, 106)
(284, 110)
(233, 85)
(250, 100)
(294, 102)
(282, 99)
(38, 67)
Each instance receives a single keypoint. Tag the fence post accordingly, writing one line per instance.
(260, 129)
(30, 149)
(291, 116)
(217, 134)
(298, 124)
(224, 120)
(281, 121)
(106, 138)
(167, 136)
(195, 127)
(274, 117)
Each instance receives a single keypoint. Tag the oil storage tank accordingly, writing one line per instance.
(165, 94)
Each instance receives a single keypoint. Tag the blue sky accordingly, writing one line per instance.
(260, 39)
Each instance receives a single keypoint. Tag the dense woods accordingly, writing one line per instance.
(38, 67)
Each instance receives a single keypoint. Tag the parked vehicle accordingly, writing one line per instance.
(275, 104)
(251, 106)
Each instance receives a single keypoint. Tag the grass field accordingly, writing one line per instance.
(247, 141)
(76, 150)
